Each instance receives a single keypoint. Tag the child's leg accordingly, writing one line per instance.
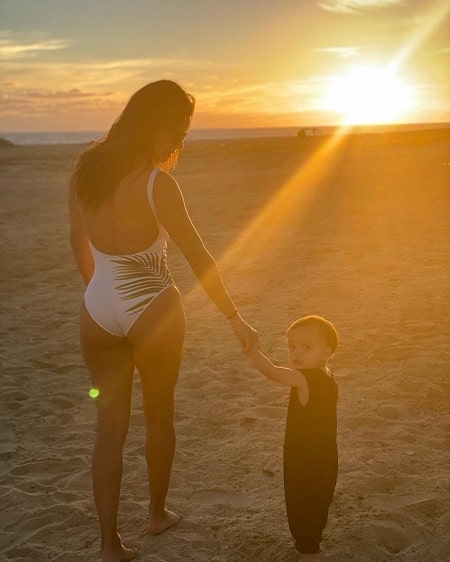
(308, 497)
(302, 519)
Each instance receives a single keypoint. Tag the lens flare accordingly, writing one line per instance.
(94, 393)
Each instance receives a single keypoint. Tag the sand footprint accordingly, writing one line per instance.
(389, 502)
(268, 412)
(219, 496)
(367, 422)
(190, 538)
(389, 536)
(389, 411)
(8, 441)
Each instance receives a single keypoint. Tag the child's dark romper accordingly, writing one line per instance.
(310, 460)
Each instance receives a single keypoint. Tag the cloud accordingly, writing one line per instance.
(12, 47)
(38, 88)
(341, 52)
(355, 6)
(264, 97)
(124, 74)
(14, 98)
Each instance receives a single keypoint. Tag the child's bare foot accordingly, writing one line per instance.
(160, 523)
(118, 552)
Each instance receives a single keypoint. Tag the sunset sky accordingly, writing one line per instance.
(72, 64)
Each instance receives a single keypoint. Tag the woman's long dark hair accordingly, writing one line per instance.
(161, 105)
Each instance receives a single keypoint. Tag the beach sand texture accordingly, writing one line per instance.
(358, 232)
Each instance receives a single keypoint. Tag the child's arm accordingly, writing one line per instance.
(281, 375)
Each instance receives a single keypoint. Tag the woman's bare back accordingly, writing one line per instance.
(124, 223)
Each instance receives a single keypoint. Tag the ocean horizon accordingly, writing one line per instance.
(81, 137)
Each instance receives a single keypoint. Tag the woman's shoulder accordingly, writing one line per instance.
(163, 178)
(165, 188)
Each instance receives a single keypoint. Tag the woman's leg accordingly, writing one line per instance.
(157, 339)
(111, 365)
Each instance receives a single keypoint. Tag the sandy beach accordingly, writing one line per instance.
(355, 229)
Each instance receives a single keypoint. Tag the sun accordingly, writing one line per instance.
(368, 95)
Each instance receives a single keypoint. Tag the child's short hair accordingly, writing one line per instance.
(326, 328)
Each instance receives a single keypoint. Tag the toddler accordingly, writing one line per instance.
(310, 450)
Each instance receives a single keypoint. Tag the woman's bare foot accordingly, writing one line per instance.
(160, 523)
(117, 552)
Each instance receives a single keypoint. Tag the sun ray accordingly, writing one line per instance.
(297, 194)
(293, 199)
(434, 18)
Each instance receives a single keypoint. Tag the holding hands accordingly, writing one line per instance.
(246, 334)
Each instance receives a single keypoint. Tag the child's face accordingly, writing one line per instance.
(307, 348)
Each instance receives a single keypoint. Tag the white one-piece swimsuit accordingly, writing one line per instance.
(123, 286)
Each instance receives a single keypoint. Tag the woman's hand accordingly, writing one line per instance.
(247, 336)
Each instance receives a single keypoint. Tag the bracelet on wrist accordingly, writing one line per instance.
(235, 313)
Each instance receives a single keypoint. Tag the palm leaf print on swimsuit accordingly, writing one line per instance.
(144, 278)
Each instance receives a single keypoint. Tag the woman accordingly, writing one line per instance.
(123, 209)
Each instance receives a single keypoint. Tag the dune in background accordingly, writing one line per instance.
(359, 235)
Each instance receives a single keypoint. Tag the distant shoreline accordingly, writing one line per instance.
(83, 137)
(407, 136)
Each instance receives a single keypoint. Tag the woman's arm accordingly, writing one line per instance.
(281, 375)
(79, 240)
(174, 216)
